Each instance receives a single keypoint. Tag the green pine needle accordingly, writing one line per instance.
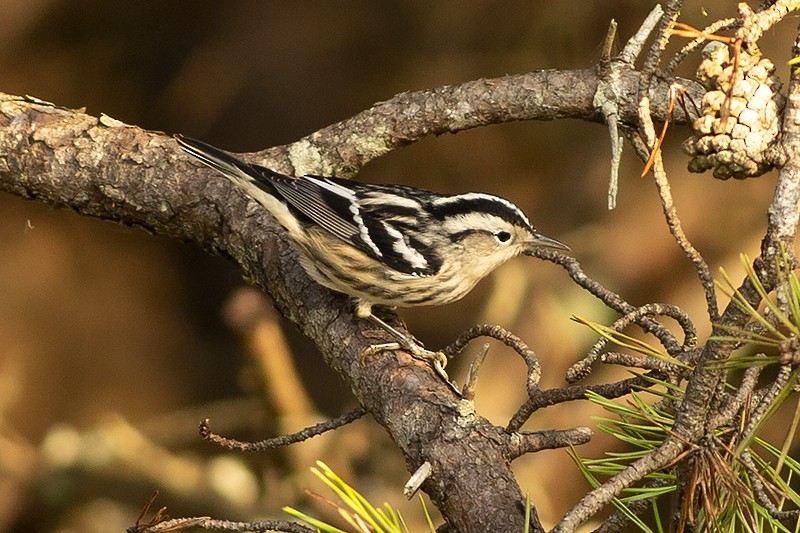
(356, 510)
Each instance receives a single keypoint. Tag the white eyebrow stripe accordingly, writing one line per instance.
(474, 221)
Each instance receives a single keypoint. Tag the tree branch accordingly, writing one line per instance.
(344, 147)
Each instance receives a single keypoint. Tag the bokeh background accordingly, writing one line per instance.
(114, 343)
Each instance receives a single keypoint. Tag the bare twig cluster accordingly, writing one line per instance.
(706, 407)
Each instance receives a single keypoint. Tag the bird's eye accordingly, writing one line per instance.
(503, 236)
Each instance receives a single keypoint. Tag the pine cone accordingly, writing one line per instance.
(732, 135)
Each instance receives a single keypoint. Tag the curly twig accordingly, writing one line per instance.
(582, 368)
(507, 338)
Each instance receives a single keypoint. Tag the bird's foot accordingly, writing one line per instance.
(436, 360)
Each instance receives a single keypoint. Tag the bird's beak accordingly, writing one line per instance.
(540, 240)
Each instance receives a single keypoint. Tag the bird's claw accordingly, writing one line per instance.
(436, 360)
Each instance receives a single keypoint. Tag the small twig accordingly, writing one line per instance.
(744, 393)
(608, 42)
(640, 361)
(161, 523)
(608, 297)
(158, 517)
(550, 397)
(606, 99)
(653, 57)
(609, 91)
(510, 340)
(638, 144)
(523, 443)
(612, 120)
(671, 214)
(204, 522)
(635, 44)
(468, 392)
(582, 368)
(283, 440)
(760, 491)
(417, 479)
(171, 524)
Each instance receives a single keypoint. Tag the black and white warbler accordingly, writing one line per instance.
(391, 245)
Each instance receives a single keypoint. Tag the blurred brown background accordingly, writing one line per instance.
(113, 343)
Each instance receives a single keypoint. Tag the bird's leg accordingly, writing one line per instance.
(437, 360)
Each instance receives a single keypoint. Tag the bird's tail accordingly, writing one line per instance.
(224, 163)
(257, 182)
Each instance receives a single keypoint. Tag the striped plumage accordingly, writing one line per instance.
(385, 244)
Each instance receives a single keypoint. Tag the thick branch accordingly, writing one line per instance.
(345, 147)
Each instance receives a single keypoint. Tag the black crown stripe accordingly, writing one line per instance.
(464, 206)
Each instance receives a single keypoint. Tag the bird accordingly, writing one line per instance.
(389, 245)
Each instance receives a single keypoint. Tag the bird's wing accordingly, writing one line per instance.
(340, 207)
(331, 206)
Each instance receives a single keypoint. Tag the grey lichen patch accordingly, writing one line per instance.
(306, 158)
(466, 408)
(372, 146)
